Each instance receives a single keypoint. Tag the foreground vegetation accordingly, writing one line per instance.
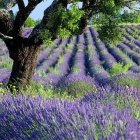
(86, 87)
(82, 91)
(112, 112)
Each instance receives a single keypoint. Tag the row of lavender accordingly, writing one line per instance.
(88, 56)
(110, 114)
(82, 56)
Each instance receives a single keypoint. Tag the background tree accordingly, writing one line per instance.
(37, 21)
(29, 22)
(58, 21)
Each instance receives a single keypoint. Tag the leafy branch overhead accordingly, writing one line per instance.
(62, 22)
(65, 22)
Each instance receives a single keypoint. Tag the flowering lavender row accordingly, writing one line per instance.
(135, 69)
(96, 64)
(108, 111)
(133, 47)
(95, 67)
(119, 55)
(45, 53)
(63, 65)
(137, 42)
(132, 35)
(78, 79)
(92, 57)
(79, 61)
(94, 116)
(62, 68)
(133, 55)
(52, 59)
(105, 56)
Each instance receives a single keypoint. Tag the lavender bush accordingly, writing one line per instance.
(102, 115)
(75, 96)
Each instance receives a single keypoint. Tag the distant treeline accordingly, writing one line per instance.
(30, 22)
(125, 17)
(132, 17)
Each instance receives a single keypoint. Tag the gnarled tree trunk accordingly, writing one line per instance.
(24, 51)
(24, 63)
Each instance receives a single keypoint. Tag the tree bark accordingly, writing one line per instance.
(24, 63)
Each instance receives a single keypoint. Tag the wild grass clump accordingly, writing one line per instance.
(6, 63)
(2, 89)
(125, 101)
(119, 68)
(77, 89)
(129, 81)
(72, 91)
(41, 73)
(46, 92)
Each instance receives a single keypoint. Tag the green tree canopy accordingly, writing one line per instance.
(29, 22)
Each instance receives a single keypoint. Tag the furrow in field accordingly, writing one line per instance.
(86, 54)
(133, 47)
(119, 55)
(107, 60)
(96, 69)
(45, 56)
(77, 64)
(45, 53)
(131, 54)
(63, 67)
(52, 60)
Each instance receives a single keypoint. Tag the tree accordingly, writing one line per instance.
(37, 21)
(29, 22)
(58, 21)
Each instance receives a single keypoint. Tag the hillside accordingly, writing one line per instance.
(81, 57)
(83, 90)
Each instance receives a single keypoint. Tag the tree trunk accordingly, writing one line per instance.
(24, 63)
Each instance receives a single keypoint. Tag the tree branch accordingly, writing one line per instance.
(8, 4)
(21, 4)
(35, 35)
(5, 37)
(23, 14)
(91, 7)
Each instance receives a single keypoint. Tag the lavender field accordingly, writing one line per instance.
(106, 104)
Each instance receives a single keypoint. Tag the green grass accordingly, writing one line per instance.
(72, 91)
(102, 132)
(75, 69)
(79, 88)
(6, 63)
(124, 101)
(41, 73)
(75, 90)
(119, 68)
(122, 24)
(129, 81)
(49, 92)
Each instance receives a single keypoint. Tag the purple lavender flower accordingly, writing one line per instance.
(36, 118)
